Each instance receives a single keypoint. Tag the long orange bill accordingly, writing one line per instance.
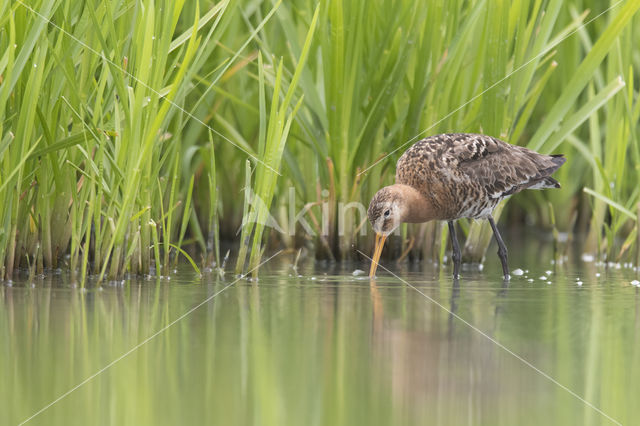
(376, 254)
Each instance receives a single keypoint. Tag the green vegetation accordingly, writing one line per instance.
(130, 130)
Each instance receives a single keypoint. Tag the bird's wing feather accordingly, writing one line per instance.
(460, 158)
(503, 169)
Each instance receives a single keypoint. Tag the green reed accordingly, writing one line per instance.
(93, 105)
(130, 130)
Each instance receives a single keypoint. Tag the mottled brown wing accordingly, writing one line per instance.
(501, 168)
(434, 161)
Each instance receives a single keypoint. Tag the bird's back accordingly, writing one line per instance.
(467, 175)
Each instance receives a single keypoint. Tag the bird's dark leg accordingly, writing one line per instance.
(502, 249)
(456, 256)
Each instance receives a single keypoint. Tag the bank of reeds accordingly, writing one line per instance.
(95, 167)
(133, 130)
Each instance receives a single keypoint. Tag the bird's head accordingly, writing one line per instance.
(393, 205)
(386, 212)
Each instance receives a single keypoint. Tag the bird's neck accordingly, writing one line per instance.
(417, 207)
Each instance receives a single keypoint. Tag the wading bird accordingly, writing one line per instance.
(453, 176)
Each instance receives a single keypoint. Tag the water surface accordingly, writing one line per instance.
(322, 347)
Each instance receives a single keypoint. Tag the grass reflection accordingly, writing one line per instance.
(331, 350)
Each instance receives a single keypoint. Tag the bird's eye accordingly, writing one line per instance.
(387, 213)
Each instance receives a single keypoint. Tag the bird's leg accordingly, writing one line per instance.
(456, 256)
(502, 249)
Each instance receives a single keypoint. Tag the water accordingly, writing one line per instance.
(327, 348)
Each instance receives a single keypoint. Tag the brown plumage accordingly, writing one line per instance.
(452, 176)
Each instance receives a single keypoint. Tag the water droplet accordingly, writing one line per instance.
(586, 257)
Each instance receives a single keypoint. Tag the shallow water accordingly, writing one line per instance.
(324, 347)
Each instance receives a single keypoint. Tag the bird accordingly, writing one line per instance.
(447, 177)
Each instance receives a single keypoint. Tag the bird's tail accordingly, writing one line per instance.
(558, 160)
(550, 164)
(547, 182)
